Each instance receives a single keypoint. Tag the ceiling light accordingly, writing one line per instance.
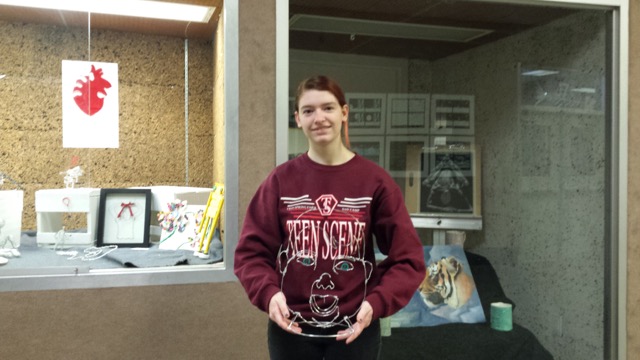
(137, 8)
(351, 26)
(540, 72)
(584, 90)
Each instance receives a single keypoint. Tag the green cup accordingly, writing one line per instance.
(501, 316)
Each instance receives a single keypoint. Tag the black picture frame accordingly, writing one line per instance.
(451, 182)
(124, 217)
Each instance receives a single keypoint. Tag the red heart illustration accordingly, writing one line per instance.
(90, 92)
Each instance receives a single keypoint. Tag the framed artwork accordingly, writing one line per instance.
(123, 217)
(452, 114)
(180, 227)
(407, 113)
(366, 113)
(451, 181)
(292, 115)
(370, 147)
(405, 162)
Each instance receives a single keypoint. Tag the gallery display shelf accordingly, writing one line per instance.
(447, 222)
(559, 109)
(52, 204)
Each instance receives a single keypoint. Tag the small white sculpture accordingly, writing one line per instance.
(71, 176)
(4, 177)
(4, 251)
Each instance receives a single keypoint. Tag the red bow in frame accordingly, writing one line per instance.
(129, 206)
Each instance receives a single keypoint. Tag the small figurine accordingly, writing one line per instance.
(71, 176)
(4, 251)
(4, 177)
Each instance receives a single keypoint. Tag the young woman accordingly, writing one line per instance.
(306, 250)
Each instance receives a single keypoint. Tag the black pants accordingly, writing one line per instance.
(287, 346)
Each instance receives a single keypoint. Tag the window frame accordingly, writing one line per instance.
(70, 278)
(616, 252)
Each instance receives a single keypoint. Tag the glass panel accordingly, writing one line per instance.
(498, 142)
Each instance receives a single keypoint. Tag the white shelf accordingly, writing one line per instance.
(447, 222)
(556, 109)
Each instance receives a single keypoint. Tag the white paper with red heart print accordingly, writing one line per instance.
(90, 104)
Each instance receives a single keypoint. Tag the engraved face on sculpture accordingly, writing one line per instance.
(324, 260)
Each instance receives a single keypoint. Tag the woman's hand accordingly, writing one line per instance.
(279, 313)
(363, 320)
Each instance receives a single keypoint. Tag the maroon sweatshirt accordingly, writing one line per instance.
(309, 231)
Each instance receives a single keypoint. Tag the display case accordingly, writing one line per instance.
(167, 124)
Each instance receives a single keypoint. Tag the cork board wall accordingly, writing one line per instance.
(152, 110)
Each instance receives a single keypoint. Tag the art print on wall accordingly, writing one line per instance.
(447, 294)
(90, 106)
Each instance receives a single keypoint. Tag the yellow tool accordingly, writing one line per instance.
(211, 218)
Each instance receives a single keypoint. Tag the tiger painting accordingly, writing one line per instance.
(446, 283)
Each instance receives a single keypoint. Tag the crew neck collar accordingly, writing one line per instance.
(312, 163)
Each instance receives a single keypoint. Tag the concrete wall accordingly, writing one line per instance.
(164, 322)
(543, 168)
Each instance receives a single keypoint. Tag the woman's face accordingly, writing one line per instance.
(320, 117)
